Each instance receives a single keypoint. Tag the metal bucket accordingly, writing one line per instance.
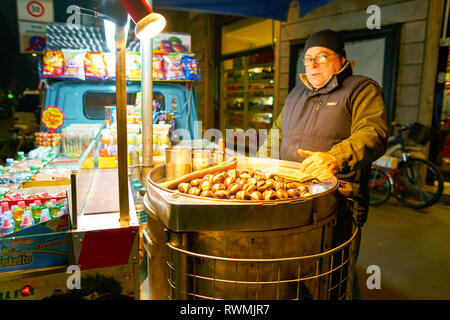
(178, 162)
(219, 249)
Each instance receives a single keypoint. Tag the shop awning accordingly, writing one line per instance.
(272, 9)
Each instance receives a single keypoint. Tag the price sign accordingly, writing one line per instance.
(52, 118)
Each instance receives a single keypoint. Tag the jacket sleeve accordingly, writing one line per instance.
(369, 131)
(265, 151)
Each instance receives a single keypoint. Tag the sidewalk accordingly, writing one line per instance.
(412, 249)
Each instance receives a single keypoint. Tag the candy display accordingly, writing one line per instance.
(74, 64)
(190, 67)
(16, 217)
(47, 139)
(95, 66)
(53, 64)
(77, 137)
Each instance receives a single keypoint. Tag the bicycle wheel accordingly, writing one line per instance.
(380, 186)
(418, 183)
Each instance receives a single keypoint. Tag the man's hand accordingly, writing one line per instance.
(318, 164)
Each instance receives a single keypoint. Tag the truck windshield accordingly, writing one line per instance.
(95, 102)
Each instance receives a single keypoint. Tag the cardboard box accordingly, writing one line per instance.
(33, 252)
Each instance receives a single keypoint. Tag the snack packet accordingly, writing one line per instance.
(95, 65)
(133, 65)
(158, 67)
(173, 67)
(190, 67)
(74, 63)
(53, 64)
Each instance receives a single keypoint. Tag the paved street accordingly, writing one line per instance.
(410, 248)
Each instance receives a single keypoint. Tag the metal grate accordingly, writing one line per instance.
(327, 275)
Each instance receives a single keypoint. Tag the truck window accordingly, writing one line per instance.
(95, 102)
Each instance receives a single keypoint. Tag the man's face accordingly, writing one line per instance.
(319, 73)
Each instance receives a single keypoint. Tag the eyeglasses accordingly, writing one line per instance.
(319, 59)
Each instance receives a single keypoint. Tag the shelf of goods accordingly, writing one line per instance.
(247, 96)
(59, 223)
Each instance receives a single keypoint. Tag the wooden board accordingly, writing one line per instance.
(104, 194)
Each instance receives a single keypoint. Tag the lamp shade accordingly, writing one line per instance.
(148, 23)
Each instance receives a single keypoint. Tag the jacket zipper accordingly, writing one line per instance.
(318, 106)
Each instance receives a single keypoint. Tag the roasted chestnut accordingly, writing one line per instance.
(268, 175)
(207, 193)
(241, 182)
(270, 183)
(242, 195)
(208, 177)
(217, 187)
(249, 188)
(245, 175)
(219, 178)
(232, 173)
(292, 193)
(221, 194)
(234, 188)
(256, 195)
(184, 187)
(302, 190)
(252, 181)
(206, 185)
(194, 191)
(279, 185)
(196, 182)
(241, 171)
(269, 195)
(291, 185)
(281, 194)
(229, 180)
(261, 185)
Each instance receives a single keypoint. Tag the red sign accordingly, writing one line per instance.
(35, 8)
(52, 118)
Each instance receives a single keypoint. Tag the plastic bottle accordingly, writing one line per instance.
(20, 156)
(54, 208)
(36, 212)
(9, 162)
(27, 220)
(106, 141)
(45, 215)
(17, 212)
(112, 150)
(8, 224)
(5, 207)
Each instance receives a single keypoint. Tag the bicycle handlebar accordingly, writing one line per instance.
(402, 127)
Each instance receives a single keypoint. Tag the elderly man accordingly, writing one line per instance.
(334, 121)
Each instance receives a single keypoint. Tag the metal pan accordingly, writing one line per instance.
(182, 212)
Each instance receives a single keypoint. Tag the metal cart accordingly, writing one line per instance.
(201, 248)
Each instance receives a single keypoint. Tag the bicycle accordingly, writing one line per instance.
(415, 182)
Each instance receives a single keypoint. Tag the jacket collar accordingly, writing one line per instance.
(334, 81)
